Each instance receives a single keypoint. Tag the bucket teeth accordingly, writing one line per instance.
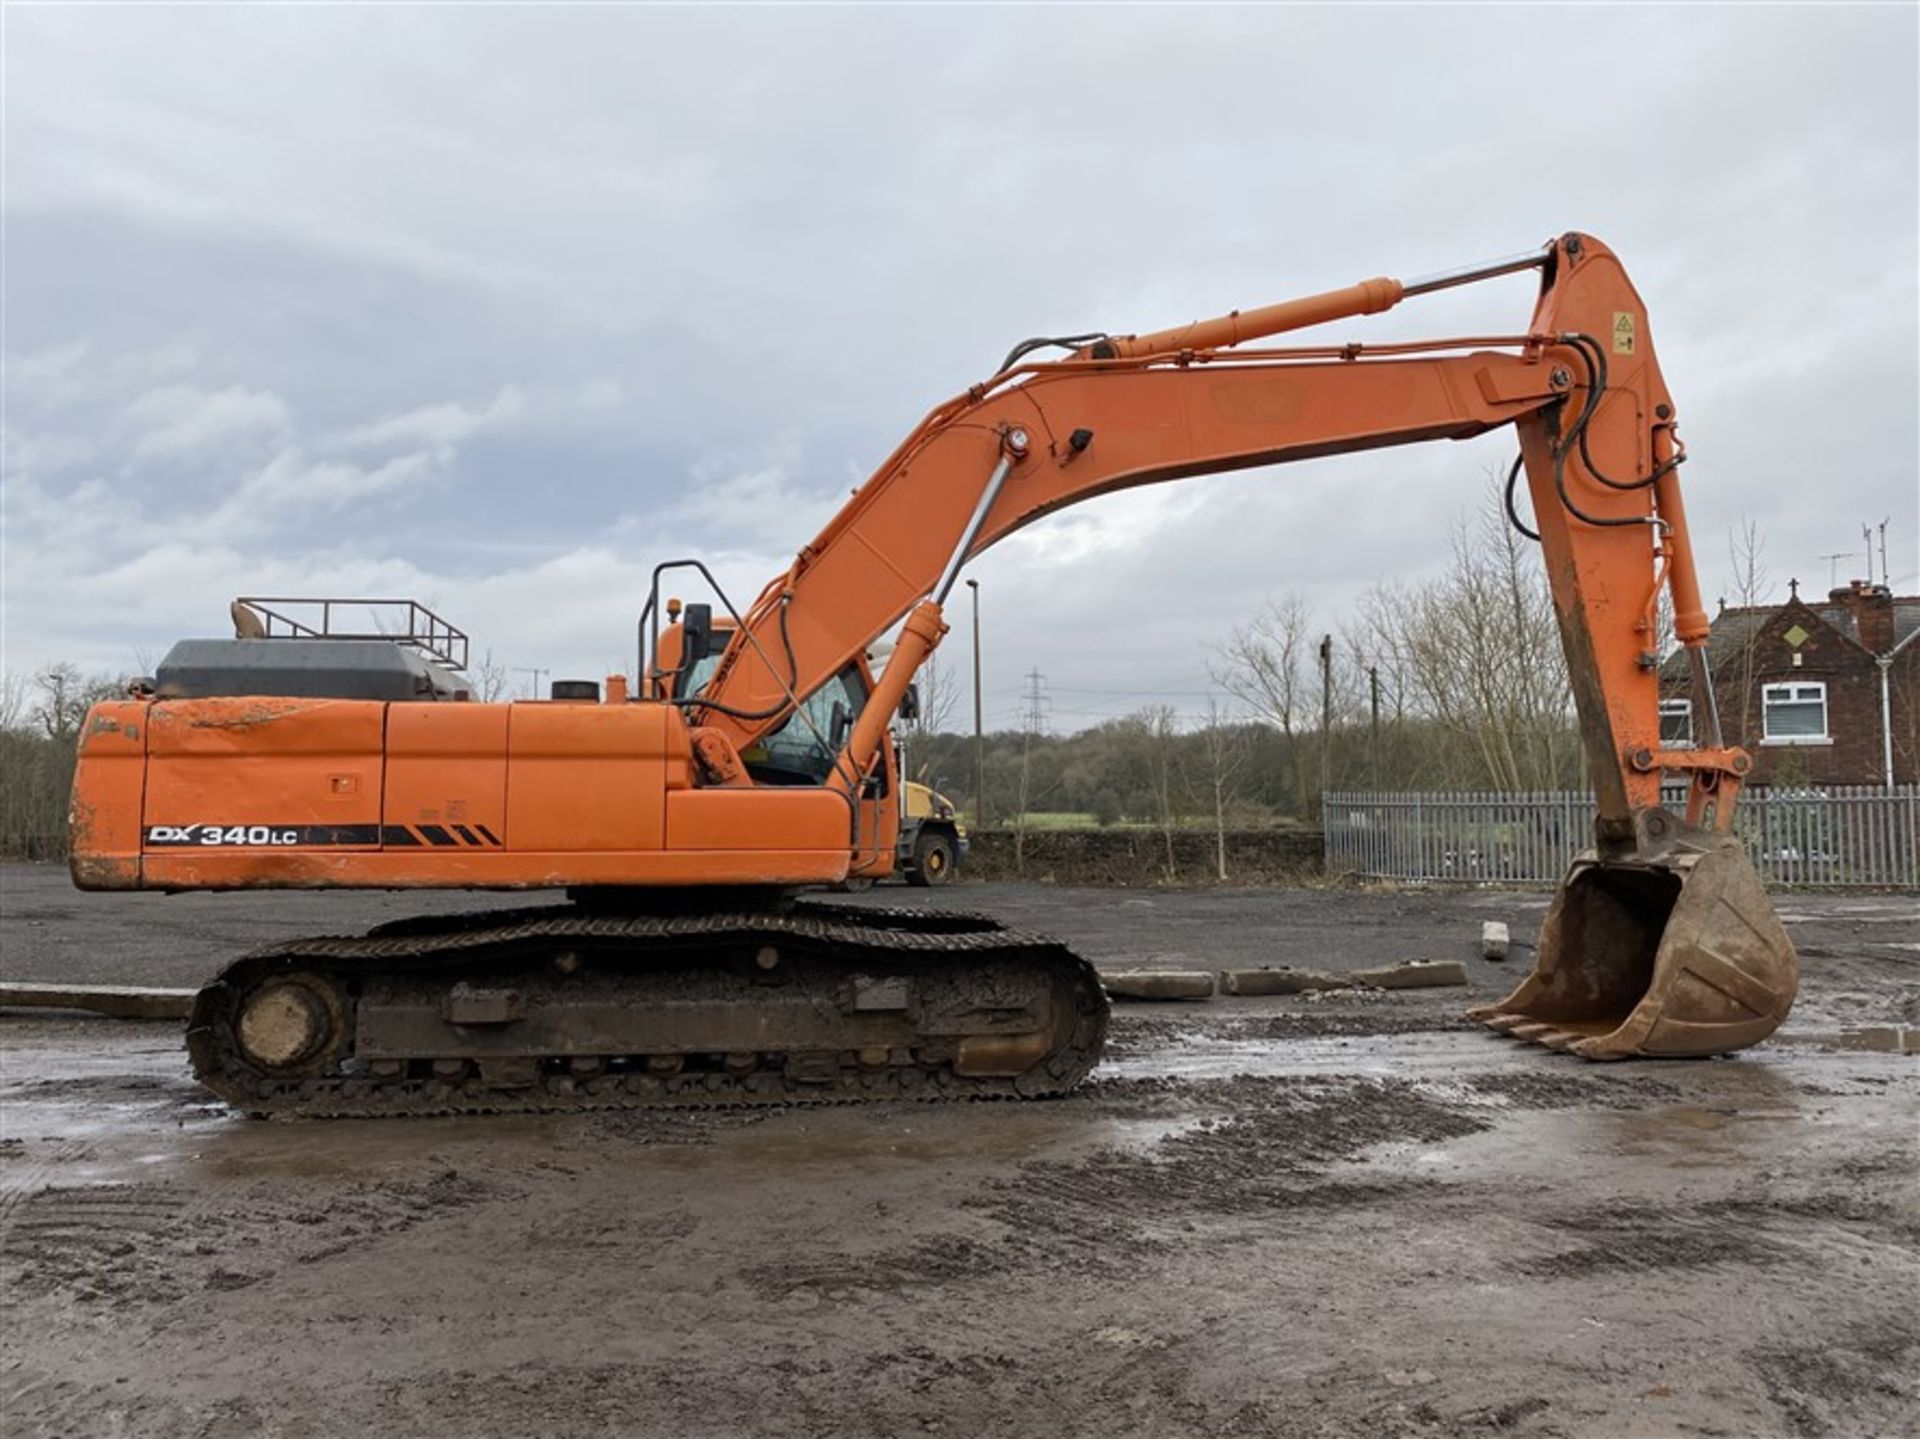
(1551, 1036)
(1594, 1049)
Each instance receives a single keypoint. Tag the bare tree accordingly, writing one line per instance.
(1752, 586)
(1157, 729)
(1267, 665)
(1478, 653)
(489, 678)
(65, 696)
(1028, 792)
(13, 700)
(1223, 747)
(939, 691)
(41, 717)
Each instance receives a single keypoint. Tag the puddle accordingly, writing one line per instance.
(1615, 1150)
(1692, 1136)
(235, 1147)
(117, 1115)
(1866, 1039)
(797, 1144)
(1400, 1056)
(123, 1116)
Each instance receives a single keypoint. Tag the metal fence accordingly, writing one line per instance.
(1836, 836)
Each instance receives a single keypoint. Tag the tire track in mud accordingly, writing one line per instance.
(1263, 1146)
(38, 1402)
(95, 1242)
(1759, 1227)
(1617, 1238)
(157, 1254)
(23, 1172)
(135, 1245)
(1852, 1384)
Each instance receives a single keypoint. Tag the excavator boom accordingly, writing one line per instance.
(760, 762)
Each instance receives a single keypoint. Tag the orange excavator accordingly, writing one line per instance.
(751, 761)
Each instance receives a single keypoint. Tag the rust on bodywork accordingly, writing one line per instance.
(244, 712)
(104, 871)
(103, 811)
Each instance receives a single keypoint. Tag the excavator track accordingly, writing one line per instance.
(571, 1008)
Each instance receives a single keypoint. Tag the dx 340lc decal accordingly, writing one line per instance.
(322, 836)
(259, 836)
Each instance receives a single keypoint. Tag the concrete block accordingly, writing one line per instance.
(1494, 940)
(1415, 974)
(1882, 1038)
(1283, 980)
(1157, 983)
(116, 1001)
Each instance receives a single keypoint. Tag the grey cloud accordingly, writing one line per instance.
(503, 305)
(181, 418)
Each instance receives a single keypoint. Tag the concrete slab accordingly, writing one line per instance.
(1281, 979)
(116, 1001)
(1158, 983)
(1415, 974)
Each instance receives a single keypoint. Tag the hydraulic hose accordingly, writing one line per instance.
(1595, 360)
(1513, 512)
(793, 678)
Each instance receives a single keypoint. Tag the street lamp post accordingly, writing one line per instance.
(979, 735)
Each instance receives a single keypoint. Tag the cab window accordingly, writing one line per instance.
(695, 679)
(803, 749)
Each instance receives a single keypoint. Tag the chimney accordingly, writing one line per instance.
(1871, 607)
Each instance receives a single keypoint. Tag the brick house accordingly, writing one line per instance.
(1812, 691)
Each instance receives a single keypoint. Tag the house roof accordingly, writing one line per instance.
(1906, 618)
(1733, 629)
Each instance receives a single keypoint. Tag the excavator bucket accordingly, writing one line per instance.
(1680, 955)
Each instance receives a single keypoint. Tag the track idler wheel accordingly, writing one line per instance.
(283, 1026)
(1675, 956)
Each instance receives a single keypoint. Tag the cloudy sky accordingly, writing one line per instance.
(496, 307)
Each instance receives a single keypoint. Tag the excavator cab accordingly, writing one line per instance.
(1674, 954)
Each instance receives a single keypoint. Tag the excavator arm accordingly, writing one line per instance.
(1662, 939)
(1581, 386)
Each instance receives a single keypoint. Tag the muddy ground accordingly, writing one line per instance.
(1339, 1216)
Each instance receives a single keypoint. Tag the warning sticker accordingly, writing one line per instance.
(1623, 332)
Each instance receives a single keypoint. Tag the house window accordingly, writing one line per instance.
(1676, 724)
(1795, 713)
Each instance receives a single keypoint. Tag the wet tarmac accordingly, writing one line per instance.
(1303, 1215)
